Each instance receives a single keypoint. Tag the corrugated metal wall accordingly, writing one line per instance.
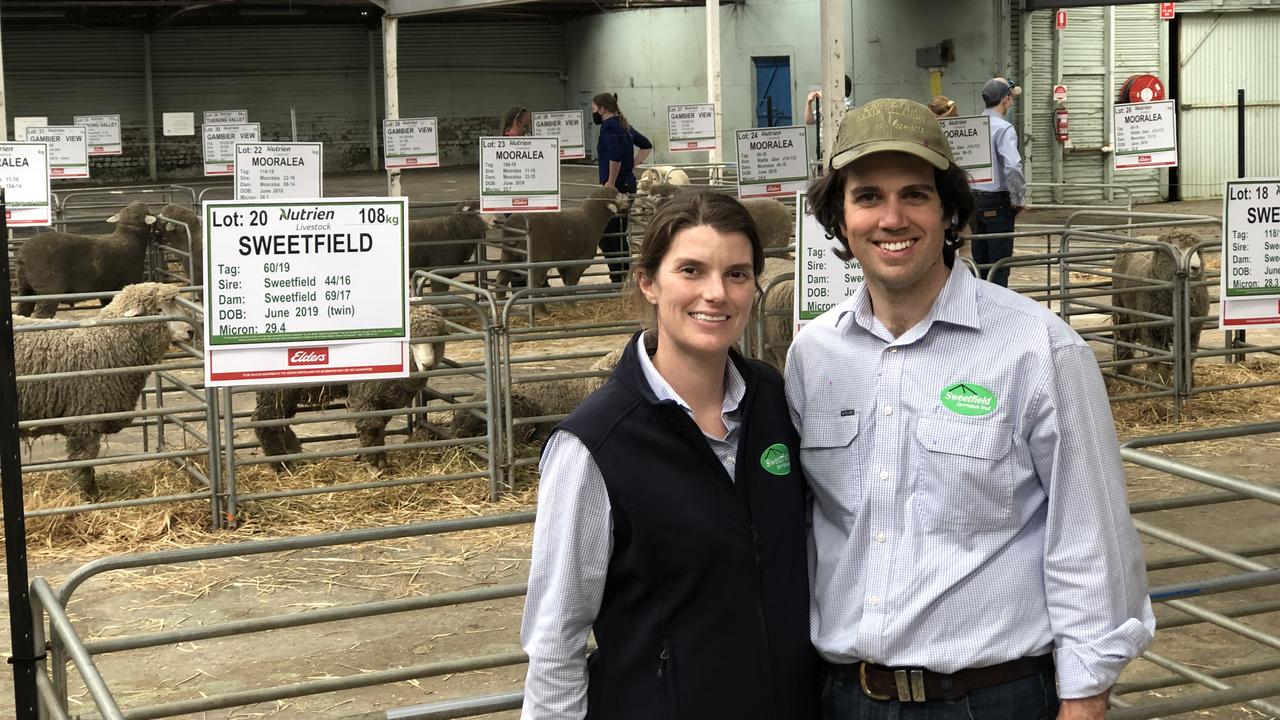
(73, 71)
(1138, 31)
(1218, 53)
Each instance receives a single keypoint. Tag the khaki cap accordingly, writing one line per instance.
(890, 125)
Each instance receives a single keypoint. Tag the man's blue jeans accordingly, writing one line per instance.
(1031, 698)
(992, 214)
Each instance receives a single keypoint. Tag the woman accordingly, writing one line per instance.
(619, 149)
(515, 121)
(671, 508)
(943, 107)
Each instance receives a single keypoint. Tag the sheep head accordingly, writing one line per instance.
(616, 201)
(146, 299)
(135, 214)
(172, 230)
(473, 206)
(1184, 241)
(426, 321)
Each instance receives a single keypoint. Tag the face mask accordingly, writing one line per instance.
(596, 119)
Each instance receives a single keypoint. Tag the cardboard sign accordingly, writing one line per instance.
(220, 145)
(822, 279)
(691, 127)
(24, 175)
(970, 141)
(279, 170)
(178, 124)
(20, 125)
(519, 174)
(410, 143)
(1145, 135)
(566, 125)
(772, 162)
(68, 149)
(104, 133)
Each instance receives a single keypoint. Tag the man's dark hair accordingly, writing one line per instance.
(826, 202)
(992, 104)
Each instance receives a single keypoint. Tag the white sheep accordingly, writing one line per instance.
(774, 220)
(657, 174)
(185, 235)
(434, 242)
(283, 402)
(777, 307)
(91, 348)
(567, 235)
(58, 263)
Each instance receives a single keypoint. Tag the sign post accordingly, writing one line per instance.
(566, 125)
(519, 174)
(1060, 20)
(410, 143)
(220, 145)
(279, 170)
(822, 279)
(1059, 93)
(1145, 135)
(68, 149)
(24, 176)
(691, 127)
(300, 291)
(772, 162)
(1250, 282)
(970, 141)
(1166, 11)
(104, 133)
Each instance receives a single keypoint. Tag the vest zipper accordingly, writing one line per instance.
(662, 662)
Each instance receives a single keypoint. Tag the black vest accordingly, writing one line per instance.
(705, 611)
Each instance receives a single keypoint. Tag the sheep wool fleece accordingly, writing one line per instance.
(705, 611)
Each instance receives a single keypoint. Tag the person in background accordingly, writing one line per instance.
(943, 107)
(619, 149)
(671, 509)
(515, 121)
(811, 102)
(1000, 200)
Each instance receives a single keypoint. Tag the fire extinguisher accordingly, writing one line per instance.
(1061, 124)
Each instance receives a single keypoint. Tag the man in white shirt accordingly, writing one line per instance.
(973, 556)
(1002, 199)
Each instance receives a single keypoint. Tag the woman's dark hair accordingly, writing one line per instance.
(826, 202)
(509, 117)
(609, 101)
(722, 213)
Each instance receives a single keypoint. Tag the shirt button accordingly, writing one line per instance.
(875, 600)
(884, 474)
(880, 537)
(888, 410)
(893, 350)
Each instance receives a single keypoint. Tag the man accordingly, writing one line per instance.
(971, 540)
(815, 97)
(1002, 199)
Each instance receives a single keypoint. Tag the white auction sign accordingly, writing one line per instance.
(220, 145)
(1145, 135)
(566, 125)
(772, 162)
(177, 124)
(309, 272)
(265, 171)
(307, 363)
(519, 174)
(104, 133)
(410, 143)
(1250, 280)
(21, 123)
(24, 175)
(225, 117)
(691, 127)
(970, 141)
(822, 280)
(68, 149)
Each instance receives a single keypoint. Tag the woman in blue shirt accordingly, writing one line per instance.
(619, 149)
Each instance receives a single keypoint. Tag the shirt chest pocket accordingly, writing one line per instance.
(962, 475)
(829, 455)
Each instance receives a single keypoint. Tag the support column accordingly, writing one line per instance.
(391, 88)
(713, 74)
(151, 107)
(833, 41)
(1109, 99)
(374, 127)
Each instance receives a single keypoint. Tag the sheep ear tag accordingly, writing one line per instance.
(776, 459)
(968, 398)
(151, 219)
(114, 218)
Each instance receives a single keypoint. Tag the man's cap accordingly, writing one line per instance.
(891, 125)
(997, 88)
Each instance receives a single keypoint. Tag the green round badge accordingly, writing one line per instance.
(968, 398)
(776, 459)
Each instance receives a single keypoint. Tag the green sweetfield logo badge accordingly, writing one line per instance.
(968, 398)
(776, 459)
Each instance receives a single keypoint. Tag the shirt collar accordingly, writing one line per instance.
(734, 386)
(956, 304)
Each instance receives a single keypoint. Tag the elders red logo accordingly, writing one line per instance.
(308, 356)
(692, 143)
(1144, 158)
(773, 188)
(520, 202)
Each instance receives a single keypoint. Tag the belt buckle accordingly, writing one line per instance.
(862, 680)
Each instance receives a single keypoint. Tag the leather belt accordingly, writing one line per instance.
(920, 685)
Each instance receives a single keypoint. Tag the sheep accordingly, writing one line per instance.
(668, 174)
(567, 235)
(777, 308)
(1160, 267)
(174, 235)
(95, 348)
(773, 219)
(535, 399)
(433, 241)
(56, 263)
(283, 402)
